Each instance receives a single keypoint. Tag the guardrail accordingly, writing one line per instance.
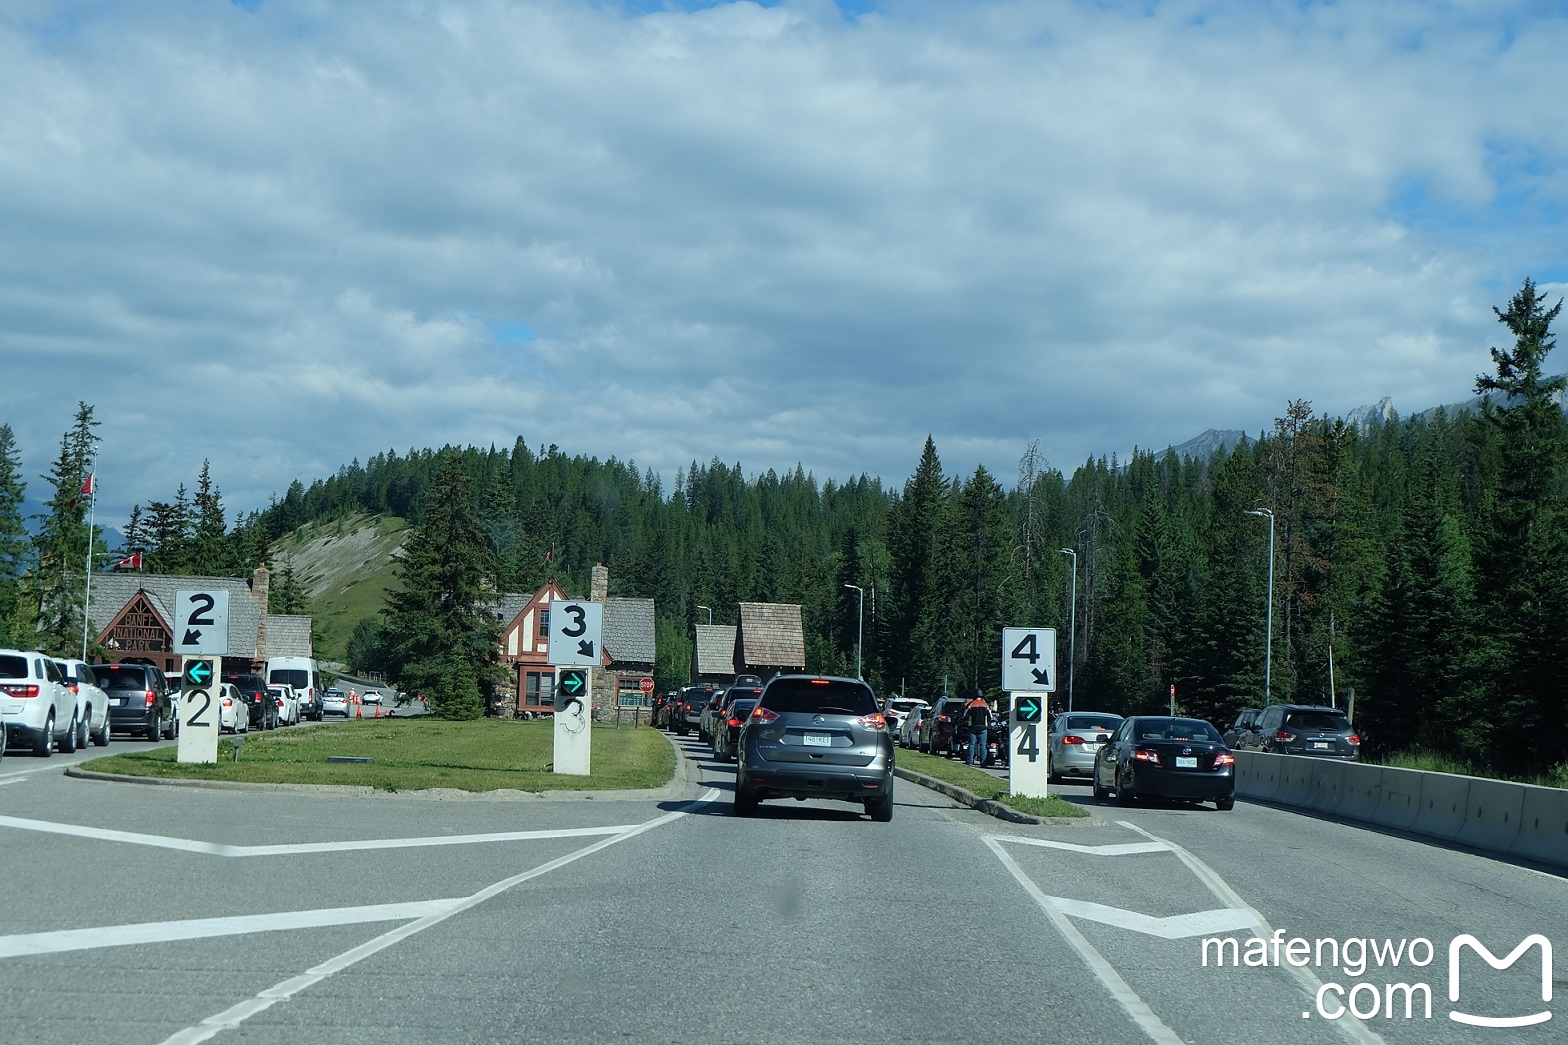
(1497, 816)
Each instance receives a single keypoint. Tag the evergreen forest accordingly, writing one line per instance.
(1419, 568)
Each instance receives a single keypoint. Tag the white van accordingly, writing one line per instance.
(303, 675)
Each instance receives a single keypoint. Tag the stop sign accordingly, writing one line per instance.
(646, 685)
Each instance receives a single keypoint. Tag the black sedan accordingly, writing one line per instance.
(1164, 757)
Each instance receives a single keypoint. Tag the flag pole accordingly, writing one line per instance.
(92, 505)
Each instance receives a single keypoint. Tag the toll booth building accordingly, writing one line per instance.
(132, 617)
(713, 654)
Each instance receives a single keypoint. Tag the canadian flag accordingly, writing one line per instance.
(130, 562)
(90, 485)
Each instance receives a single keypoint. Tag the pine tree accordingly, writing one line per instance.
(61, 545)
(17, 618)
(444, 634)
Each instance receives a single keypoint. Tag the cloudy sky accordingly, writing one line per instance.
(286, 234)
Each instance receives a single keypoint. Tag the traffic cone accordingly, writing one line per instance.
(378, 710)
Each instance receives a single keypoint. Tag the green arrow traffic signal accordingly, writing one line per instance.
(1028, 709)
(574, 682)
(198, 673)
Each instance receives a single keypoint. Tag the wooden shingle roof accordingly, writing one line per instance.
(715, 649)
(771, 635)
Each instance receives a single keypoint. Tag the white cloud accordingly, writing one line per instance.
(765, 234)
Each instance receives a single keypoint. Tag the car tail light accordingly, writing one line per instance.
(1282, 735)
(152, 698)
(819, 682)
(734, 723)
(875, 720)
(1224, 758)
(17, 690)
(1148, 755)
(1071, 739)
(73, 688)
(941, 718)
(762, 714)
(1354, 738)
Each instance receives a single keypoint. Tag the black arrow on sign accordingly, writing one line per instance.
(1042, 677)
(585, 648)
(192, 638)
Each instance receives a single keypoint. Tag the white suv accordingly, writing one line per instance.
(92, 703)
(36, 706)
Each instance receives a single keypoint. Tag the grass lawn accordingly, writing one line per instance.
(985, 785)
(418, 753)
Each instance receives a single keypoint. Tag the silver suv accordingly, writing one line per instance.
(812, 736)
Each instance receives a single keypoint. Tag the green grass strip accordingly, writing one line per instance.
(416, 754)
(985, 785)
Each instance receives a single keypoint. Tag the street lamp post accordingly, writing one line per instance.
(1268, 641)
(1072, 627)
(710, 612)
(860, 626)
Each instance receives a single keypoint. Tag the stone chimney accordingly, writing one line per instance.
(599, 587)
(260, 585)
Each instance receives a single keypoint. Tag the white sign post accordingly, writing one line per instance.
(198, 710)
(1028, 674)
(576, 644)
(573, 715)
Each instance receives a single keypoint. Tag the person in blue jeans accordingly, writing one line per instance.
(977, 717)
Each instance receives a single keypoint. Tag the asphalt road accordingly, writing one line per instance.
(136, 913)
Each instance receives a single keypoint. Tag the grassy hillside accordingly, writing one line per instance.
(346, 567)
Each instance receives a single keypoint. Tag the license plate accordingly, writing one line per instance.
(818, 740)
(1320, 745)
(120, 702)
(1091, 748)
(1186, 763)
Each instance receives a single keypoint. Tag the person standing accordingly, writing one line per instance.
(977, 716)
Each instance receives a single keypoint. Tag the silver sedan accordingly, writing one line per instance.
(1074, 739)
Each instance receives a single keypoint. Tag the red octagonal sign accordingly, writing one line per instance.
(646, 685)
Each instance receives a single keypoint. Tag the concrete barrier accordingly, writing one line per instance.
(1257, 775)
(1492, 816)
(1543, 826)
(1294, 781)
(1363, 792)
(1328, 785)
(1444, 798)
(1400, 803)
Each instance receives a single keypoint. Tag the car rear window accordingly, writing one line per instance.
(819, 696)
(1176, 729)
(299, 678)
(120, 676)
(902, 706)
(13, 667)
(1105, 722)
(742, 708)
(1324, 720)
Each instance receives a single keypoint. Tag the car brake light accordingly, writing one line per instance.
(73, 688)
(734, 722)
(762, 714)
(1071, 739)
(152, 698)
(1144, 754)
(1224, 758)
(1282, 735)
(1354, 738)
(819, 682)
(941, 718)
(873, 721)
(21, 691)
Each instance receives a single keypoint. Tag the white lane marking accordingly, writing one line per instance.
(1349, 1026)
(235, 1015)
(293, 849)
(1125, 996)
(204, 928)
(1176, 927)
(1124, 849)
(11, 781)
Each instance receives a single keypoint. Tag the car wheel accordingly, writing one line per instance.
(1053, 778)
(881, 809)
(43, 746)
(1100, 793)
(102, 739)
(1225, 805)
(82, 739)
(745, 802)
(1125, 796)
(68, 738)
(155, 728)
